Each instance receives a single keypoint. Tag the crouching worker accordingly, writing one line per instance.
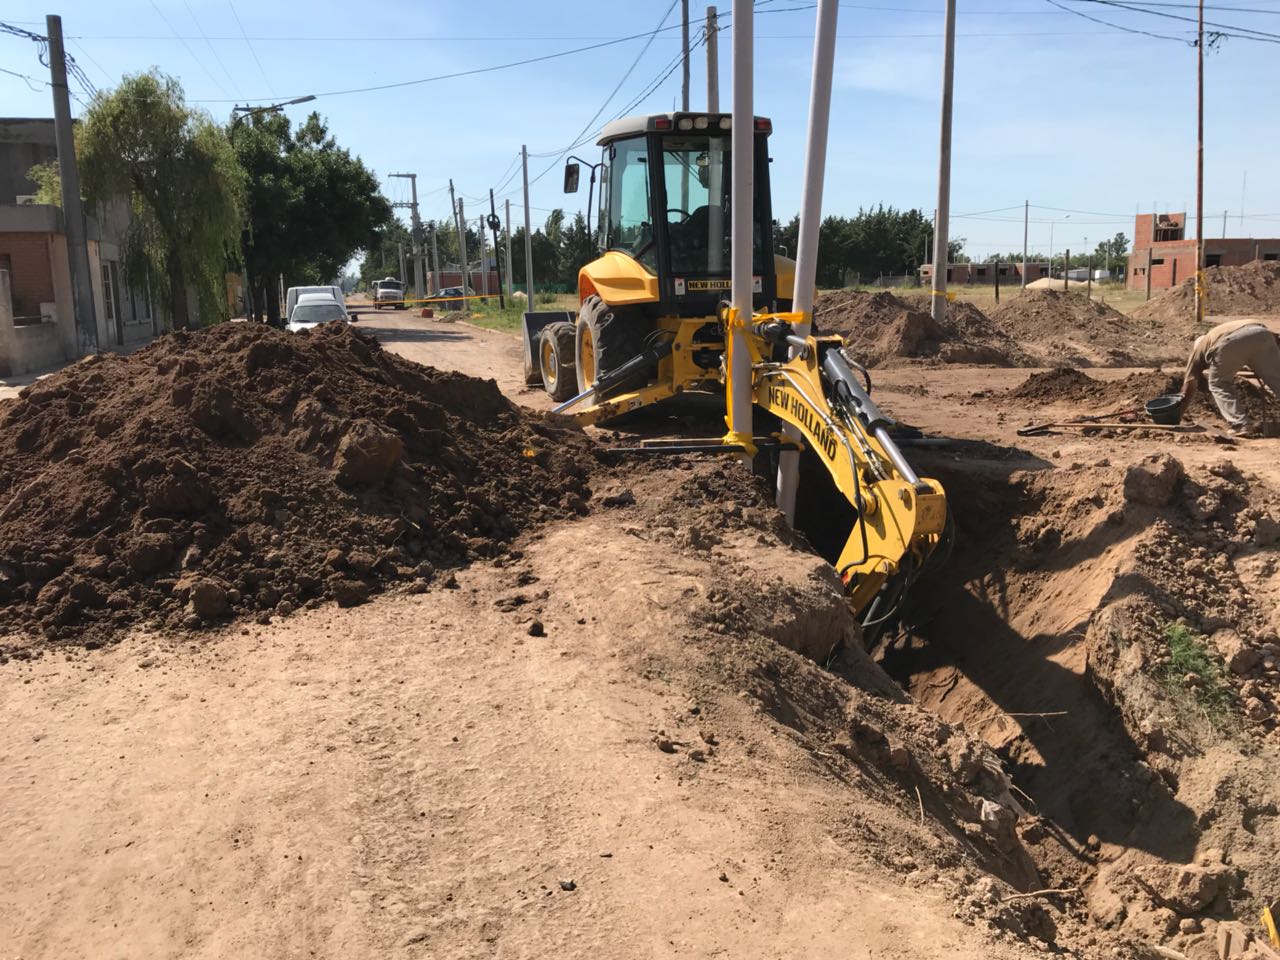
(1219, 355)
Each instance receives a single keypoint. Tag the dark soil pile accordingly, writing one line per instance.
(1068, 385)
(1069, 328)
(1251, 289)
(243, 471)
(880, 328)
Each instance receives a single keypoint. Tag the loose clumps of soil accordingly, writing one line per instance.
(881, 328)
(1068, 385)
(1250, 289)
(243, 471)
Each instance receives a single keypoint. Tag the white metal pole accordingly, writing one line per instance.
(815, 165)
(528, 229)
(941, 237)
(743, 184)
(510, 299)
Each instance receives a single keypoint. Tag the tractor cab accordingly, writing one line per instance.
(665, 204)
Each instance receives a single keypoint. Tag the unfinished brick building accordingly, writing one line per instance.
(1173, 256)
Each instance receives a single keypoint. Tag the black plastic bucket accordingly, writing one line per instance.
(1166, 410)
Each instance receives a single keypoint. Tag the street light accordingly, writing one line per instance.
(1053, 223)
(238, 116)
(240, 113)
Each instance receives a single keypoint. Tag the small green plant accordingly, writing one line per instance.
(1212, 696)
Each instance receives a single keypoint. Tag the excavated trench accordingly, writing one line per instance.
(1046, 636)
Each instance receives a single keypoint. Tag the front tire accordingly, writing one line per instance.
(555, 360)
(605, 339)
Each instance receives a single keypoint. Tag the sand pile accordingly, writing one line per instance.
(244, 471)
(1069, 328)
(1251, 289)
(881, 328)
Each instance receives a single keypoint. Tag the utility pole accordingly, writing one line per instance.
(713, 61)
(1026, 220)
(815, 163)
(684, 46)
(510, 273)
(1200, 164)
(86, 319)
(484, 258)
(400, 253)
(435, 261)
(528, 234)
(494, 224)
(416, 232)
(941, 245)
(1066, 270)
(462, 253)
(1224, 224)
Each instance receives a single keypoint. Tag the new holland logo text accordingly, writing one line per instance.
(789, 402)
(697, 285)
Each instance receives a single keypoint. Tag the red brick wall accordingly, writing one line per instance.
(30, 277)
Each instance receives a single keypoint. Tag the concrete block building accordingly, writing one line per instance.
(37, 321)
(1162, 237)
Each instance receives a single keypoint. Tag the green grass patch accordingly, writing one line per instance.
(1212, 698)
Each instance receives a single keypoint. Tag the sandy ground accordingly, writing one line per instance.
(416, 778)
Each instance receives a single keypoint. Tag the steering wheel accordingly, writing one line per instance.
(684, 214)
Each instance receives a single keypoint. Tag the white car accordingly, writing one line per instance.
(316, 308)
(293, 293)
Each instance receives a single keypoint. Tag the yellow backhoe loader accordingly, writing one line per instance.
(654, 323)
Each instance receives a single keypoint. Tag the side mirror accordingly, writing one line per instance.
(570, 178)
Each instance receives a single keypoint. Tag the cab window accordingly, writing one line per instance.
(630, 220)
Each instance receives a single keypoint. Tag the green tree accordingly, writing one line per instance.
(186, 190)
(381, 255)
(577, 249)
(311, 204)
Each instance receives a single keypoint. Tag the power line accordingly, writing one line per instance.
(199, 29)
(29, 79)
(249, 44)
(1116, 26)
(1258, 34)
(216, 82)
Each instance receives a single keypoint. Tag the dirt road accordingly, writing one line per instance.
(422, 778)
(475, 351)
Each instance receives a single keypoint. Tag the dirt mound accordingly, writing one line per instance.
(1070, 329)
(880, 328)
(1250, 289)
(241, 470)
(1068, 385)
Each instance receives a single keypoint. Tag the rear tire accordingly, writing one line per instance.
(605, 339)
(555, 360)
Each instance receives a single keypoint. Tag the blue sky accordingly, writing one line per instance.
(1050, 107)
